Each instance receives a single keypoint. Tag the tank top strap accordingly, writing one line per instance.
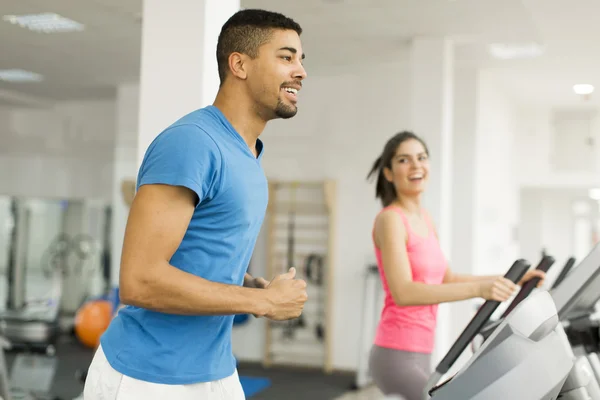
(399, 211)
(407, 227)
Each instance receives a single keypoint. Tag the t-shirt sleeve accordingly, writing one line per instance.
(183, 155)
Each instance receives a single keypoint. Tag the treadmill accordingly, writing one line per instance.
(528, 355)
(564, 272)
(30, 325)
(576, 299)
(544, 265)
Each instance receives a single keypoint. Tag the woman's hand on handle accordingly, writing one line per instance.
(531, 274)
(497, 289)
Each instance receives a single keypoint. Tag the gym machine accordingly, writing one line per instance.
(564, 272)
(31, 376)
(372, 296)
(30, 325)
(544, 265)
(528, 355)
(372, 293)
(576, 299)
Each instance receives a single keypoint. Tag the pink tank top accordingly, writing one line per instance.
(412, 328)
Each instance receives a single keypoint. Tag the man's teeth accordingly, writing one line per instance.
(416, 177)
(291, 90)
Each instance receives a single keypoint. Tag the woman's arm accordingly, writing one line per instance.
(452, 277)
(390, 237)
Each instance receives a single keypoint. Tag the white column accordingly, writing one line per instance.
(125, 167)
(463, 208)
(178, 63)
(432, 62)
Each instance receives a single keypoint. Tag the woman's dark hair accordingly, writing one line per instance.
(384, 189)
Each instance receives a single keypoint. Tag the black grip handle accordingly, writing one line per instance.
(514, 274)
(564, 272)
(545, 263)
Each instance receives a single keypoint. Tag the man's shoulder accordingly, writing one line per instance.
(204, 118)
(197, 127)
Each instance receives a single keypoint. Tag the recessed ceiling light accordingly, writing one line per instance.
(45, 22)
(19, 75)
(583, 89)
(595, 194)
(507, 51)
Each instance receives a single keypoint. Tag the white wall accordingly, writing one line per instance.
(124, 167)
(556, 164)
(463, 194)
(497, 191)
(552, 150)
(64, 151)
(548, 222)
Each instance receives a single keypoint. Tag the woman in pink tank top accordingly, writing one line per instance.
(414, 273)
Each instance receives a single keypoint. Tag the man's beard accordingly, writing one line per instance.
(285, 111)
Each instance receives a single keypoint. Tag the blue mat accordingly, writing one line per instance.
(253, 385)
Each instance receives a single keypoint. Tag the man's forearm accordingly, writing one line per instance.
(167, 289)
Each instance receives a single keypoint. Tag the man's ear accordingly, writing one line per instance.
(238, 65)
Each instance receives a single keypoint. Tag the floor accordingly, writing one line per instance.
(368, 393)
(286, 383)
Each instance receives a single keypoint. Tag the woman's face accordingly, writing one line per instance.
(409, 168)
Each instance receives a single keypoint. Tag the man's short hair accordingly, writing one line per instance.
(246, 31)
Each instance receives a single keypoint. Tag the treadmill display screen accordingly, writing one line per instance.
(579, 292)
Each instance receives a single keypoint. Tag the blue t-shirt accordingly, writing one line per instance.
(201, 151)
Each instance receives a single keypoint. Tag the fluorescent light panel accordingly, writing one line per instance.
(583, 89)
(19, 75)
(507, 52)
(595, 194)
(45, 22)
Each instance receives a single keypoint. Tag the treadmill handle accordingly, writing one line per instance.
(564, 272)
(514, 274)
(544, 265)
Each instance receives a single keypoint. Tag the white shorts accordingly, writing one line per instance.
(105, 383)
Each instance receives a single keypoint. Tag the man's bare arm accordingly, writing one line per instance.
(158, 220)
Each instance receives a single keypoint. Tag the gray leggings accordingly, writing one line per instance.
(400, 373)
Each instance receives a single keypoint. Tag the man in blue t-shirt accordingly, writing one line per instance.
(201, 199)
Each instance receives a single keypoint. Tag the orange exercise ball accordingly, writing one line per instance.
(91, 321)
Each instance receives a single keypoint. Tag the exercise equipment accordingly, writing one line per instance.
(30, 378)
(27, 323)
(372, 294)
(33, 324)
(91, 320)
(524, 358)
(514, 274)
(544, 265)
(300, 221)
(528, 356)
(314, 271)
(292, 325)
(576, 299)
(563, 273)
(313, 268)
